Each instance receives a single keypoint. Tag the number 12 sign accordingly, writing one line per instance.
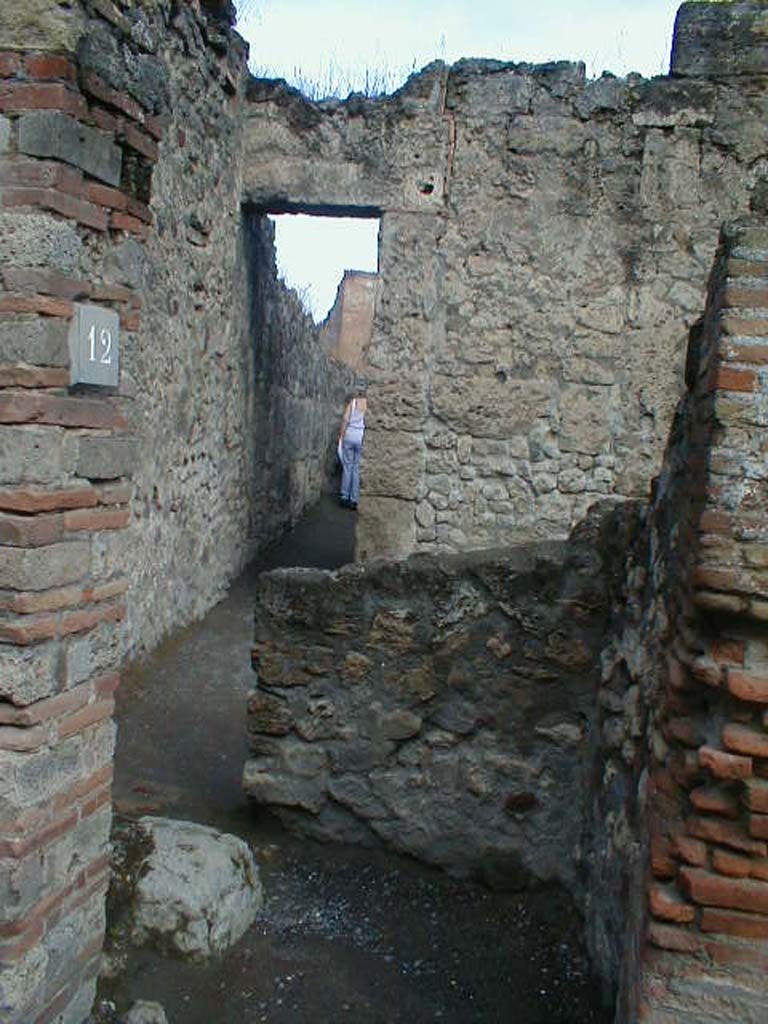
(94, 346)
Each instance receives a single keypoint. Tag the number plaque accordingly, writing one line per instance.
(94, 346)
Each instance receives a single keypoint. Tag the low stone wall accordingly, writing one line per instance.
(442, 707)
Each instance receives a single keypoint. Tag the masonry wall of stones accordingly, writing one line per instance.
(545, 243)
(120, 186)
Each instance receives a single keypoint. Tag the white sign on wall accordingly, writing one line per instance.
(94, 346)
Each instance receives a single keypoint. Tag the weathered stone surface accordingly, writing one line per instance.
(105, 458)
(145, 1011)
(478, 673)
(719, 40)
(49, 133)
(41, 25)
(197, 891)
(40, 341)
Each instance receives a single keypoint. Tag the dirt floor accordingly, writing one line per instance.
(345, 934)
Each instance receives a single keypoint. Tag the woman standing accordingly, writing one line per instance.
(351, 445)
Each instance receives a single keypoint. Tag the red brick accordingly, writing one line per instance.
(104, 120)
(727, 833)
(82, 789)
(715, 800)
(714, 578)
(33, 377)
(22, 96)
(98, 88)
(69, 206)
(680, 940)
(743, 740)
(155, 126)
(728, 650)
(63, 411)
(747, 685)
(725, 766)
(34, 602)
(665, 903)
(88, 716)
(756, 795)
(751, 298)
(124, 222)
(130, 320)
(758, 826)
(727, 863)
(48, 66)
(89, 618)
(718, 891)
(759, 869)
(139, 210)
(97, 801)
(728, 378)
(42, 304)
(662, 864)
(12, 952)
(30, 173)
(105, 591)
(96, 519)
(712, 601)
(18, 848)
(30, 531)
(107, 685)
(746, 327)
(30, 500)
(45, 282)
(716, 522)
(103, 195)
(28, 631)
(690, 850)
(9, 64)
(729, 922)
(141, 142)
(742, 955)
(755, 355)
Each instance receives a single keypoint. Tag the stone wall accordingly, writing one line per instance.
(441, 707)
(299, 393)
(120, 188)
(545, 246)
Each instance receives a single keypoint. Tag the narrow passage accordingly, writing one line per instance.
(345, 934)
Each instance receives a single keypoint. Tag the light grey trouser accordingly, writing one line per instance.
(350, 475)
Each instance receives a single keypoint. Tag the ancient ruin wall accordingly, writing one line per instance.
(545, 244)
(346, 331)
(123, 511)
(299, 393)
(441, 707)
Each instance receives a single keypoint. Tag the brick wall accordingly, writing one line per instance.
(708, 897)
(65, 493)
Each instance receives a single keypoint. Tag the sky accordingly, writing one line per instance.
(334, 44)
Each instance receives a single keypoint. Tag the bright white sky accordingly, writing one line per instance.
(335, 41)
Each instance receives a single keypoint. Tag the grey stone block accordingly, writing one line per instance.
(32, 454)
(28, 674)
(106, 458)
(41, 568)
(38, 341)
(5, 134)
(50, 133)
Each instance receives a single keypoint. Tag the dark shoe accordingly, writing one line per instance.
(344, 502)
(352, 505)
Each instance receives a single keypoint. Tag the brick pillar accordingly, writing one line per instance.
(75, 162)
(707, 950)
